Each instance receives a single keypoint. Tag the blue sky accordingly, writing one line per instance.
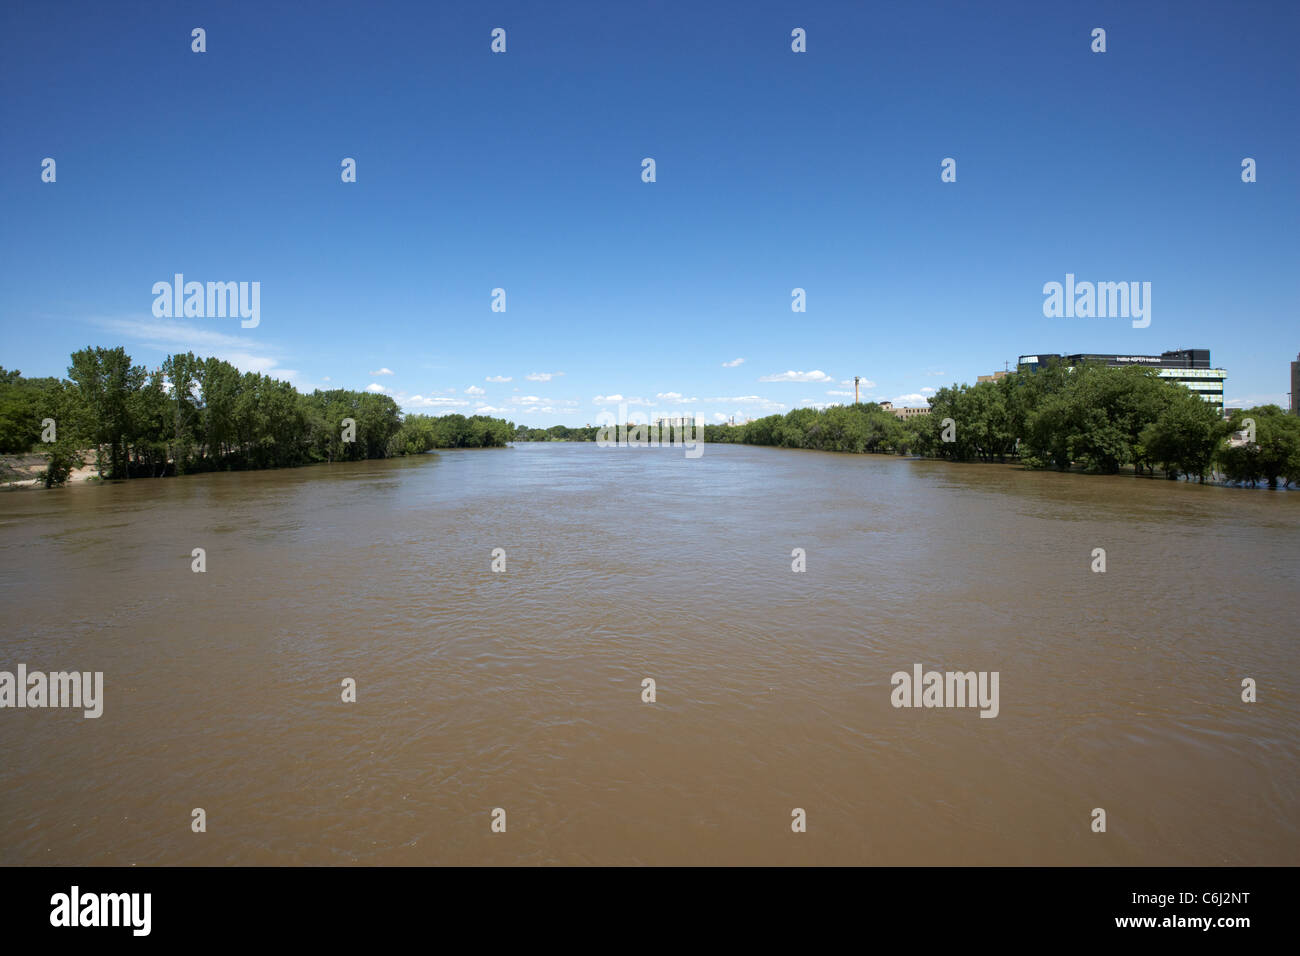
(775, 170)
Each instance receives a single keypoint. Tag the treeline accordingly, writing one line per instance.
(864, 427)
(422, 432)
(556, 433)
(1094, 417)
(202, 414)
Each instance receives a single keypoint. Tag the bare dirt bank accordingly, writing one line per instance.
(23, 471)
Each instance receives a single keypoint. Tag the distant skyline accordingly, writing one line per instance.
(774, 171)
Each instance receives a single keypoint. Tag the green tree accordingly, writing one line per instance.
(183, 373)
(1185, 438)
(61, 460)
(1274, 455)
(105, 380)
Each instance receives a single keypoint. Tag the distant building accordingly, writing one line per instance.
(1295, 386)
(996, 376)
(904, 412)
(685, 421)
(1188, 367)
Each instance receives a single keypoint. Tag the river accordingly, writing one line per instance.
(522, 690)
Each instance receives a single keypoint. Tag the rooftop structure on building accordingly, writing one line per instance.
(1188, 367)
(1295, 386)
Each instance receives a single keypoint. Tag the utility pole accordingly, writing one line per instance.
(856, 379)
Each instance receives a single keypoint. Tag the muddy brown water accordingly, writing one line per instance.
(523, 690)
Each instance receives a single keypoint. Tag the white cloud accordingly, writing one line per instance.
(490, 410)
(816, 375)
(1253, 401)
(499, 378)
(865, 383)
(733, 363)
(914, 398)
(429, 401)
(719, 417)
(376, 387)
(836, 391)
(762, 404)
(542, 376)
(475, 390)
(617, 399)
(674, 397)
(246, 353)
(927, 390)
(384, 371)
